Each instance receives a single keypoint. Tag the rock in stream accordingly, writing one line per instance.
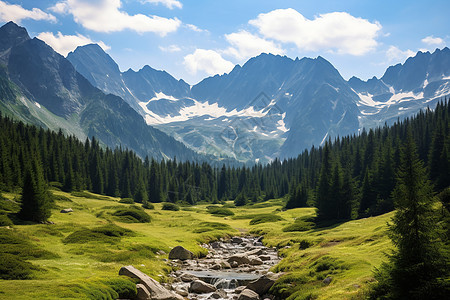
(233, 269)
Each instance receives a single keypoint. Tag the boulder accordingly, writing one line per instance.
(157, 291)
(236, 240)
(255, 260)
(327, 280)
(261, 285)
(66, 210)
(248, 295)
(257, 251)
(240, 259)
(218, 295)
(264, 257)
(186, 277)
(142, 292)
(201, 287)
(180, 253)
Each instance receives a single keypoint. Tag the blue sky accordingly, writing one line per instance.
(195, 39)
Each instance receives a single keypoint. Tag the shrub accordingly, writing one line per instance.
(13, 267)
(5, 221)
(148, 205)
(61, 198)
(88, 195)
(298, 225)
(220, 211)
(7, 205)
(265, 218)
(132, 214)
(210, 226)
(240, 200)
(107, 234)
(170, 206)
(126, 201)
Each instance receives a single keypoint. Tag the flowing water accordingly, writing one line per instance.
(229, 267)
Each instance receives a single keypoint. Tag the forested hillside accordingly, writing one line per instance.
(347, 178)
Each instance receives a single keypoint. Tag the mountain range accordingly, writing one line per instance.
(271, 106)
(39, 86)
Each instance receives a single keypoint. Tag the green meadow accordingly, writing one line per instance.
(79, 256)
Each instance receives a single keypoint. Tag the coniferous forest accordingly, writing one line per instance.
(350, 177)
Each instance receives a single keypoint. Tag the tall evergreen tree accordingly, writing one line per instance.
(417, 267)
(36, 201)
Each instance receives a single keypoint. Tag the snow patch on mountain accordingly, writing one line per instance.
(198, 109)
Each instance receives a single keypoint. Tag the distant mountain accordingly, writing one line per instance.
(103, 72)
(272, 106)
(404, 89)
(39, 86)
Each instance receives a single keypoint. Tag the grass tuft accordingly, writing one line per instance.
(220, 211)
(106, 234)
(132, 214)
(170, 206)
(265, 218)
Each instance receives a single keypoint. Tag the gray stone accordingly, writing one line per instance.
(255, 260)
(262, 285)
(188, 277)
(157, 291)
(180, 253)
(327, 280)
(142, 292)
(240, 259)
(257, 251)
(201, 287)
(66, 210)
(264, 257)
(248, 295)
(236, 240)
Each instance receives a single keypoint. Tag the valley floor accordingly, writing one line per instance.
(346, 252)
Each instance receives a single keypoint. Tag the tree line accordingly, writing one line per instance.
(347, 178)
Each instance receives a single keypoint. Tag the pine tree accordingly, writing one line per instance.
(36, 200)
(417, 263)
(324, 188)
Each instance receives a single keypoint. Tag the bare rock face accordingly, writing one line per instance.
(156, 290)
(180, 253)
(201, 287)
(248, 295)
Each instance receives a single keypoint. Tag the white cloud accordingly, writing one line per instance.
(106, 16)
(246, 45)
(171, 4)
(16, 13)
(63, 44)
(208, 61)
(431, 40)
(394, 54)
(171, 48)
(337, 31)
(195, 28)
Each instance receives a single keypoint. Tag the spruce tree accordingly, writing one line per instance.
(36, 200)
(417, 265)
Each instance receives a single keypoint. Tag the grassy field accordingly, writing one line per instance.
(87, 247)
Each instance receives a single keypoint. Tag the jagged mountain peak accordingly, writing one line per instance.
(11, 35)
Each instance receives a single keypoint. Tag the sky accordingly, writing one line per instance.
(194, 39)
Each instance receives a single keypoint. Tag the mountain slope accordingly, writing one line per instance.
(404, 89)
(48, 83)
